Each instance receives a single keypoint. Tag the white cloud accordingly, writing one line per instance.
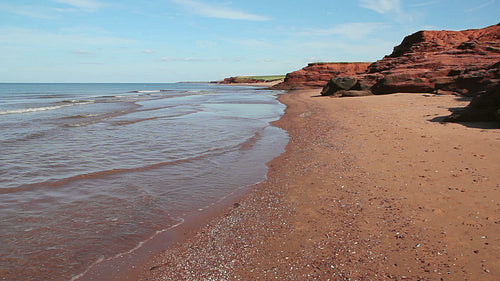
(353, 31)
(47, 12)
(481, 6)
(253, 43)
(389, 7)
(207, 44)
(31, 11)
(82, 52)
(423, 4)
(381, 6)
(148, 51)
(198, 59)
(181, 59)
(38, 38)
(87, 5)
(338, 49)
(221, 12)
(265, 60)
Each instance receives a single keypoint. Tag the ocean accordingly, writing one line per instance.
(89, 171)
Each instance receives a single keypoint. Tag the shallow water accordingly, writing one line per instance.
(88, 171)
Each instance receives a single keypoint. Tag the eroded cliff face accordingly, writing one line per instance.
(316, 75)
(442, 62)
(246, 80)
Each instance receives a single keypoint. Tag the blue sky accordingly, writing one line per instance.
(201, 40)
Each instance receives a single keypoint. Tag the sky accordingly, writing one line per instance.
(151, 41)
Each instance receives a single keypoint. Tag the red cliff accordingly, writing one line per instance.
(318, 74)
(250, 79)
(442, 62)
(461, 62)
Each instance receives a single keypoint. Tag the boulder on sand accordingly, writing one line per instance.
(338, 84)
(483, 107)
(316, 75)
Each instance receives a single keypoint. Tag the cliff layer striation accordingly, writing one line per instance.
(463, 63)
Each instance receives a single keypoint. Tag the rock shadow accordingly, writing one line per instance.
(476, 125)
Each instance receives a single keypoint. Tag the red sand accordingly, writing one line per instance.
(368, 189)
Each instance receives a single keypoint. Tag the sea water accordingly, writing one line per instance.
(88, 171)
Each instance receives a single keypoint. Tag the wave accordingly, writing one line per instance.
(178, 221)
(80, 116)
(129, 122)
(144, 92)
(123, 123)
(37, 95)
(78, 101)
(56, 183)
(89, 119)
(149, 91)
(16, 139)
(101, 259)
(43, 108)
(246, 144)
(251, 141)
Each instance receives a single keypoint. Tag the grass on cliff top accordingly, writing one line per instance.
(265, 78)
(335, 62)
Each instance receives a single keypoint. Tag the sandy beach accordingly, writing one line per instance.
(234, 140)
(369, 188)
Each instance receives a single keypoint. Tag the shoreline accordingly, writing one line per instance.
(128, 265)
(372, 187)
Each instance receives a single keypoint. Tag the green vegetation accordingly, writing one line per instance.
(319, 62)
(336, 62)
(266, 78)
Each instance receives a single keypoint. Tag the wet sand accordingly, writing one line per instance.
(370, 188)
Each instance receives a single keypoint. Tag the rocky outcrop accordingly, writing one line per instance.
(442, 62)
(483, 107)
(459, 62)
(316, 75)
(248, 79)
(345, 87)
